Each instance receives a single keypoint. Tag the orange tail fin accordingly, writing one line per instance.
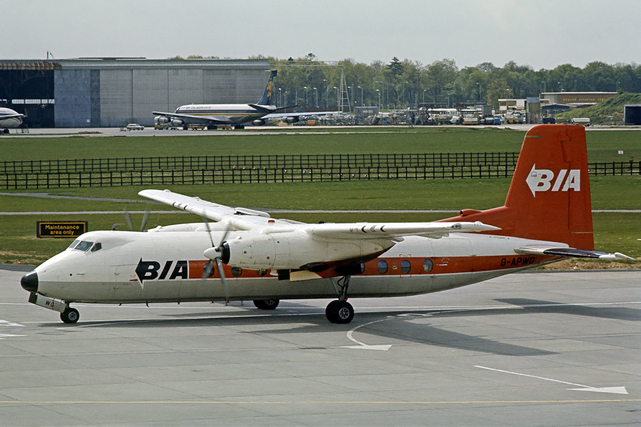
(549, 197)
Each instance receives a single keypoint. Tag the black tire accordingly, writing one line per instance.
(340, 312)
(70, 315)
(331, 312)
(266, 304)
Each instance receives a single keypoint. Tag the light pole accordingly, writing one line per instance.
(280, 97)
(362, 104)
(379, 99)
(305, 87)
(337, 101)
(424, 96)
(316, 91)
(326, 93)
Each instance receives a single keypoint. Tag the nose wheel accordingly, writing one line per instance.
(70, 315)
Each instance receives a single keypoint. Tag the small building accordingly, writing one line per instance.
(632, 115)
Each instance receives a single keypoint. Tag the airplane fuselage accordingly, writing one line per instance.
(134, 267)
(235, 113)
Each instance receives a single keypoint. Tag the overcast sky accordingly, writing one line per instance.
(538, 33)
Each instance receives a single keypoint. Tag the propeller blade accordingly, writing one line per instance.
(144, 218)
(222, 239)
(128, 219)
(219, 264)
(208, 269)
(214, 253)
(211, 239)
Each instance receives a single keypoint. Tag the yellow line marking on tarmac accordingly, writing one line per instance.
(311, 402)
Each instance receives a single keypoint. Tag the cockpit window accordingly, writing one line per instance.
(82, 246)
(73, 245)
(96, 247)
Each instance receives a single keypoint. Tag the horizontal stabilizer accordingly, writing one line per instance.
(266, 109)
(572, 253)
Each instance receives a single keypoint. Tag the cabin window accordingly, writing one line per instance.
(382, 267)
(406, 266)
(83, 246)
(428, 265)
(236, 271)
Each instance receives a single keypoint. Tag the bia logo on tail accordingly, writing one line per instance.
(544, 180)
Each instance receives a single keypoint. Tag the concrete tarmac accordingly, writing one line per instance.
(528, 349)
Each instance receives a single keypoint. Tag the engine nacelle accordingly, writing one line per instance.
(161, 120)
(293, 250)
(258, 122)
(290, 119)
(177, 122)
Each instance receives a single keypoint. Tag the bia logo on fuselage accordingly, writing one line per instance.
(150, 270)
(540, 180)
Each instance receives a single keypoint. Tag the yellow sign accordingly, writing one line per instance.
(61, 228)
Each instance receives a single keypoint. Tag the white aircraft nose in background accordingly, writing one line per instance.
(9, 119)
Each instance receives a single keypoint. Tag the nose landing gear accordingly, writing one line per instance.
(70, 315)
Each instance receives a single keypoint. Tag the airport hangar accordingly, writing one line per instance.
(112, 92)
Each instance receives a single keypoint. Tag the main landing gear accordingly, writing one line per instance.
(266, 304)
(340, 311)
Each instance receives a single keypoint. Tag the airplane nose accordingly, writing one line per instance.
(29, 282)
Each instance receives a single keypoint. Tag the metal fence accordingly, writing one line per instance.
(344, 168)
(292, 161)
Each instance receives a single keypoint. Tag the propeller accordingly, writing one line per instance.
(142, 224)
(214, 254)
(130, 223)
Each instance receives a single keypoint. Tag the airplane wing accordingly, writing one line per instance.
(237, 218)
(394, 230)
(215, 120)
(313, 248)
(304, 113)
(249, 219)
(571, 253)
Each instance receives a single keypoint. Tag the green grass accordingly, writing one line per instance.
(603, 146)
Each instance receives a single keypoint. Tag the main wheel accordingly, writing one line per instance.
(340, 312)
(266, 304)
(70, 315)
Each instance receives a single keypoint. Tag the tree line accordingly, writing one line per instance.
(312, 83)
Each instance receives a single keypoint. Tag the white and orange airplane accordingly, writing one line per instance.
(247, 255)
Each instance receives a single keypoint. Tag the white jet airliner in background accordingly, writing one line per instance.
(236, 115)
(9, 119)
(247, 255)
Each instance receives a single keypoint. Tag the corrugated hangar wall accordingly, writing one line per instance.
(116, 93)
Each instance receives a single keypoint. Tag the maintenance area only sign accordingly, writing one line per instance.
(63, 229)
